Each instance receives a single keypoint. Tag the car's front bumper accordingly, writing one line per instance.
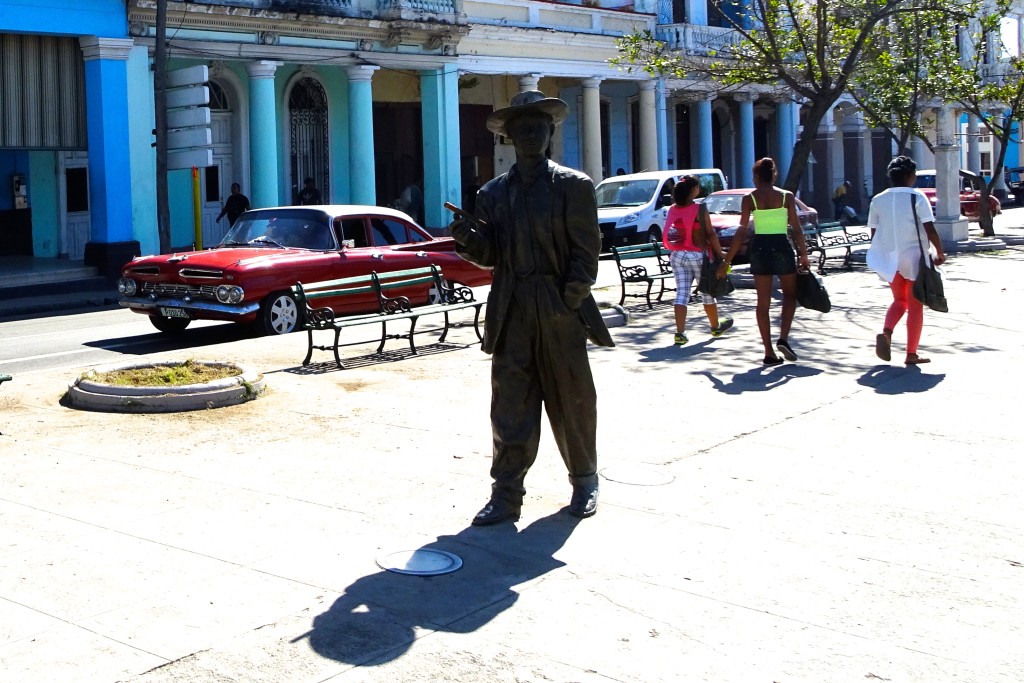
(211, 310)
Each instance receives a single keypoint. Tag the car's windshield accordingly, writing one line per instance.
(294, 229)
(724, 203)
(625, 193)
(925, 180)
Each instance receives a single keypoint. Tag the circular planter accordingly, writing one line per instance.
(88, 393)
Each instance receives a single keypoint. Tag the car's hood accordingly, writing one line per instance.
(218, 259)
(613, 213)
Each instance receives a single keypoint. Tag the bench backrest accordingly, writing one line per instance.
(832, 226)
(329, 289)
(635, 251)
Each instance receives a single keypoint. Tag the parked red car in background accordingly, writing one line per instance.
(969, 195)
(724, 209)
(247, 278)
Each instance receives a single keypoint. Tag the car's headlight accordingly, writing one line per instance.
(630, 219)
(126, 286)
(230, 294)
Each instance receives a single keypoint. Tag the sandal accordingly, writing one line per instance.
(914, 359)
(783, 346)
(882, 347)
(772, 360)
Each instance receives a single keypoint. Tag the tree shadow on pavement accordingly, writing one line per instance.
(376, 619)
(892, 380)
(760, 378)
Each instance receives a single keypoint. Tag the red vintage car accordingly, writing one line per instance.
(970, 196)
(247, 278)
(724, 208)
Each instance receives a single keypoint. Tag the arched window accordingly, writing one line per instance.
(218, 98)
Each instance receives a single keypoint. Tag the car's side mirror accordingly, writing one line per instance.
(348, 244)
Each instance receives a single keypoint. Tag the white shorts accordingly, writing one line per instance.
(686, 267)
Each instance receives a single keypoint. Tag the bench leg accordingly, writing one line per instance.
(309, 349)
(650, 284)
(337, 336)
(622, 298)
(383, 336)
(412, 332)
(444, 332)
(476, 322)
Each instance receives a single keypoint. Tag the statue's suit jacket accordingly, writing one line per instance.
(568, 236)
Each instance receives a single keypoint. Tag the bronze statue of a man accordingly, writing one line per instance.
(538, 231)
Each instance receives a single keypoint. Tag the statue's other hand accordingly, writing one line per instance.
(461, 229)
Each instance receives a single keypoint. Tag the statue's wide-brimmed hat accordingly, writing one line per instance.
(527, 102)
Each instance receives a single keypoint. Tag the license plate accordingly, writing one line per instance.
(173, 312)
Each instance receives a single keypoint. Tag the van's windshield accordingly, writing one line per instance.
(626, 193)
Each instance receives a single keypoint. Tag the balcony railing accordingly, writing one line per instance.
(609, 17)
(697, 40)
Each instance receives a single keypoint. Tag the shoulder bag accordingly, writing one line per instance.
(928, 288)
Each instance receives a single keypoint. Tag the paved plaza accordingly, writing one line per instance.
(829, 520)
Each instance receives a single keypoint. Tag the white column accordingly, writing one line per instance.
(648, 128)
(591, 142)
(973, 146)
(948, 224)
(529, 82)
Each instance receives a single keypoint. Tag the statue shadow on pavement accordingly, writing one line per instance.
(892, 379)
(376, 619)
(757, 379)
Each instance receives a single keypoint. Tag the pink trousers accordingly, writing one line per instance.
(903, 301)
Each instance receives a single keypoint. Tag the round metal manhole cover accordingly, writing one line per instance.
(420, 562)
(637, 476)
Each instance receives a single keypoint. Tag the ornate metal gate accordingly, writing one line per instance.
(307, 109)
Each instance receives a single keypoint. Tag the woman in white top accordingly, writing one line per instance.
(895, 253)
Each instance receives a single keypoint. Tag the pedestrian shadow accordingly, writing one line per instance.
(760, 378)
(376, 619)
(673, 352)
(892, 380)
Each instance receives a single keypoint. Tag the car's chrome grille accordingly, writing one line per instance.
(178, 291)
(200, 272)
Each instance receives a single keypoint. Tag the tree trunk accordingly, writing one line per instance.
(802, 151)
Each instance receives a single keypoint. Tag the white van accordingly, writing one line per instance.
(632, 208)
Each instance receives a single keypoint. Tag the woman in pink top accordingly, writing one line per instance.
(688, 234)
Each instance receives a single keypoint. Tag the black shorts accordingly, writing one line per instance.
(771, 255)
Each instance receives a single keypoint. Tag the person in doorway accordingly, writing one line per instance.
(774, 214)
(537, 229)
(689, 235)
(897, 236)
(236, 204)
(309, 195)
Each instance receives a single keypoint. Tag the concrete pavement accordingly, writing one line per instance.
(834, 519)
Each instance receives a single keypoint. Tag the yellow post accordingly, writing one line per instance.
(197, 215)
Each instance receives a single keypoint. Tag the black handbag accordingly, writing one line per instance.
(928, 287)
(710, 283)
(811, 292)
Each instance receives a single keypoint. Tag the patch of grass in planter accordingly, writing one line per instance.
(166, 375)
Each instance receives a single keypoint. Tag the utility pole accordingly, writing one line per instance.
(163, 211)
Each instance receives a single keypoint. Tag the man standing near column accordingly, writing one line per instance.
(538, 230)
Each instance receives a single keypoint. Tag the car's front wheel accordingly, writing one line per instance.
(279, 314)
(169, 325)
(654, 234)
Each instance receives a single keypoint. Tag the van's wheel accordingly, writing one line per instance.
(279, 314)
(654, 234)
(434, 296)
(169, 325)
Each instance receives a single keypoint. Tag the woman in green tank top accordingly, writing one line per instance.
(774, 217)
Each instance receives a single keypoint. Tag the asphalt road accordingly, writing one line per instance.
(96, 338)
